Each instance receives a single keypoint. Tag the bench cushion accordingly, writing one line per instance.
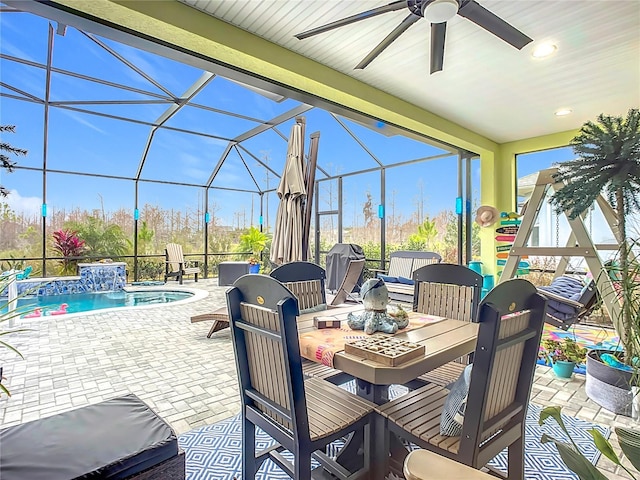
(112, 439)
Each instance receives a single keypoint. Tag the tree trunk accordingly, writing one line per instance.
(628, 334)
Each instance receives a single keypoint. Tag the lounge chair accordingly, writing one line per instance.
(175, 266)
(351, 276)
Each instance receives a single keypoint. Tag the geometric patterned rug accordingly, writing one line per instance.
(215, 451)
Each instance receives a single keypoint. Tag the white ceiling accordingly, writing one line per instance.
(487, 85)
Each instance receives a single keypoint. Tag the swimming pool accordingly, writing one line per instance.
(85, 302)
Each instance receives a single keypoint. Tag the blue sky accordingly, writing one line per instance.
(89, 143)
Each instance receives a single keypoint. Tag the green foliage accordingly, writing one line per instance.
(423, 238)
(150, 269)
(101, 240)
(145, 239)
(568, 351)
(253, 240)
(628, 439)
(5, 161)
(608, 161)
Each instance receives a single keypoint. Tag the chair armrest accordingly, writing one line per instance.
(561, 299)
(378, 270)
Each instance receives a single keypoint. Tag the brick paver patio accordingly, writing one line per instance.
(187, 378)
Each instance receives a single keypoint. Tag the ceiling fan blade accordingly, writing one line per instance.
(438, 32)
(391, 7)
(389, 39)
(479, 15)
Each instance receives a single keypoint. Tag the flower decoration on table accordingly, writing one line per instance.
(566, 351)
(375, 298)
(253, 261)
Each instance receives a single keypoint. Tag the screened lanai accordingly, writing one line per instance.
(148, 150)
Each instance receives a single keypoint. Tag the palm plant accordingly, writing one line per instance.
(7, 315)
(608, 161)
(101, 239)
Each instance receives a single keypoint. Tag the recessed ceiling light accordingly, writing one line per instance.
(543, 50)
(563, 111)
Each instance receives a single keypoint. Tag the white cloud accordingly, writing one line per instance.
(27, 205)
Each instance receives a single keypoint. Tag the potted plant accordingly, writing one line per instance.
(563, 356)
(608, 162)
(253, 240)
(628, 439)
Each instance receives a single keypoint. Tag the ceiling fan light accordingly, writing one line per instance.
(543, 50)
(439, 11)
(563, 112)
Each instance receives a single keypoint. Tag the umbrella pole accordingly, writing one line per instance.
(310, 180)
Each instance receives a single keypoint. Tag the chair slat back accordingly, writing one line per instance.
(266, 362)
(451, 301)
(511, 318)
(447, 290)
(174, 256)
(503, 382)
(306, 280)
(309, 293)
(423, 262)
(400, 267)
(262, 314)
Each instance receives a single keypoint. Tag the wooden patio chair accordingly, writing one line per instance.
(175, 266)
(302, 416)
(306, 281)
(451, 291)
(511, 318)
(351, 277)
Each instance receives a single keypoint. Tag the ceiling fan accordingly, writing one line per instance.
(437, 12)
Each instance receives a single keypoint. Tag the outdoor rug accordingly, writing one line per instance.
(215, 451)
(588, 336)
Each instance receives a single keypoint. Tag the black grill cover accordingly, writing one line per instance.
(337, 262)
(112, 439)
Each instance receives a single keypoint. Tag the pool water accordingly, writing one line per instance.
(86, 302)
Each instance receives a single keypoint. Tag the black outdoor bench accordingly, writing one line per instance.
(120, 438)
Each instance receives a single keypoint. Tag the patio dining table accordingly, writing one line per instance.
(444, 340)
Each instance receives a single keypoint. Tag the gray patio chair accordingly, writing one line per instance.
(451, 291)
(511, 318)
(306, 281)
(302, 416)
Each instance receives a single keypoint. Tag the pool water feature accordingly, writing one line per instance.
(86, 302)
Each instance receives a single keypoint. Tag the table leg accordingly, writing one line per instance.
(352, 454)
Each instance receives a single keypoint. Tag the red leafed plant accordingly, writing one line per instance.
(69, 245)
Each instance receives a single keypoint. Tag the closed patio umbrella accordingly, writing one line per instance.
(287, 239)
